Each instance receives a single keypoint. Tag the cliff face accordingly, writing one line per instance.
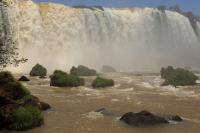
(58, 36)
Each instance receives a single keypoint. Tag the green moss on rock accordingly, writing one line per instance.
(38, 70)
(62, 79)
(102, 82)
(19, 110)
(178, 76)
(83, 71)
(27, 117)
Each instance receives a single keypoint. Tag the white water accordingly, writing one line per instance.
(58, 36)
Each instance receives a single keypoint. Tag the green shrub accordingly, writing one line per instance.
(26, 118)
(82, 71)
(62, 79)
(38, 70)
(178, 76)
(102, 82)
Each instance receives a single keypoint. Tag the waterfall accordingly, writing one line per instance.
(129, 39)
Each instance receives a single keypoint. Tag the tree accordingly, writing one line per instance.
(8, 50)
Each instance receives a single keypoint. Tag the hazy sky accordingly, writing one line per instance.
(187, 5)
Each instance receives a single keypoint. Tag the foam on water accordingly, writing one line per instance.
(93, 115)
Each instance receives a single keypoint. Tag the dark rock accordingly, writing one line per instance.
(6, 113)
(176, 118)
(23, 78)
(143, 118)
(5, 101)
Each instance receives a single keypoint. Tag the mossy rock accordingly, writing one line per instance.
(83, 71)
(19, 110)
(62, 79)
(11, 88)
(107, 69)
(102, 82)
(38, 70)
(26, 118)
(178, 76)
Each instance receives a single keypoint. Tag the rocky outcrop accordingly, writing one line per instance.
(38, 70)
(23, 78)
(145, 118)
(17, 104)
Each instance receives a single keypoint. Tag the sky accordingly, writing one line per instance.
(186, 5)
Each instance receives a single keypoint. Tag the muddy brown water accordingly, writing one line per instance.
(73, 108)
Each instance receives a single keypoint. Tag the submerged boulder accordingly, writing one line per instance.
(62, 79)
(108, 69)
(23, 78)
(83, 71)
(102, 82)
(38, 70)
(19, 110)
(145, 118)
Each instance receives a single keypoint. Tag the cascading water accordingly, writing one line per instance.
(58, 36)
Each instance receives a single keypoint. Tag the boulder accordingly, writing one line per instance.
(62, 79)
(143, 118)
(38, 70)
(175, 118)
(82, 71)
(23, 78)
(102, 82)
(178, 76)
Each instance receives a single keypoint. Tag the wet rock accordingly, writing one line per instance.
(5, 101)
(143, 118)
(104, 111)
(23, 78)
(176, 118)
